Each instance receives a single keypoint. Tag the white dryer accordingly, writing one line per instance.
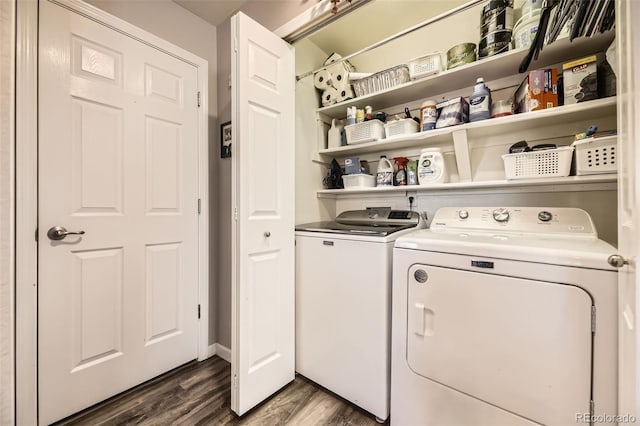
(504, 316)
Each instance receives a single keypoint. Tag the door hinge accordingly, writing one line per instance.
(198, 311)
(235, 213)
(198, 99)
(235, 44)
(592, 411)
(199, 205)
(36, 235)
(593, 319)
(235, 380)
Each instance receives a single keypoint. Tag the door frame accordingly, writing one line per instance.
(26, 170)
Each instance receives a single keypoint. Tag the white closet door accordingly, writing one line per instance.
(263, 350)
(117, 305)
(628, 79)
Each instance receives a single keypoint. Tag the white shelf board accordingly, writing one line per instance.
(545, 183)
(591, 110)
(491, 68)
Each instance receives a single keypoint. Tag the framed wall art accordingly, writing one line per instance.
(225, 140)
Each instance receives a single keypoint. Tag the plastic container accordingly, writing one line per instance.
(480, 102)
(525, 30)
(334, 134)
(359, 180)
(384, 174)
(431, 167)
(461, 54)
(502, 108)
(538, 164)
(596, 155)
(401, 127)
(412, 172)
(428, 115)
(366, 131)
(425, 65)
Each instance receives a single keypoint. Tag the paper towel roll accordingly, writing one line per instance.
(359, 75)
(345, 93)
(322, 79)
(329, 96)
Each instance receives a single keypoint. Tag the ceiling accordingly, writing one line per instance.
(213, 11)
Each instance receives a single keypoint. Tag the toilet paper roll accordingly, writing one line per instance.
(322, 79)
(339, 75)
(329, 96)
(345, 93)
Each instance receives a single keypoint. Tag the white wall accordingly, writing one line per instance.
(175, 24)
(7, 134)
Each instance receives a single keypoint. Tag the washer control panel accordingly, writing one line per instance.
(522, 220)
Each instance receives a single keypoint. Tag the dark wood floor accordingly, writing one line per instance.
(199, 393)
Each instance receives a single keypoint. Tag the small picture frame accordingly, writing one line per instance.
(225, 140)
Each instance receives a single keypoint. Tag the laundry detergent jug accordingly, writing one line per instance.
(431, 167)
(384, 174)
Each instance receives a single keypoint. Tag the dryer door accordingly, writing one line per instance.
(521, 345)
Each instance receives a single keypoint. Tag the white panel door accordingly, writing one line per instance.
(522, 345)
(628, 80)
(117, 160)
(263, 319)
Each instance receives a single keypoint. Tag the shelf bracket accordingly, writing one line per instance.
(463, 159)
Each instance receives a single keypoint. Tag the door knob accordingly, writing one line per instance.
(617, 261)
(57, 233)
(267, 234)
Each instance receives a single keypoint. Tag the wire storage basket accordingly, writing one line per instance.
(538, 164)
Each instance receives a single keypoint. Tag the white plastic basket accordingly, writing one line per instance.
(401, 127)
(359, 180)
(596, 155)
(538, 164)
(426, 65)
(367, 131)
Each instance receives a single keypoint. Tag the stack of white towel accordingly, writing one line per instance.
(334, 80)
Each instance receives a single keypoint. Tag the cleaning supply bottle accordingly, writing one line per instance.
(334, 136)
(401, 171)
(384, 174)
(480, 102)
(431, 167)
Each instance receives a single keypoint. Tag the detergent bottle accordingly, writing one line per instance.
(401, 171)
(384, 174)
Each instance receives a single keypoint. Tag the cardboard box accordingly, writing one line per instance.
(538, 90)
(580, 79)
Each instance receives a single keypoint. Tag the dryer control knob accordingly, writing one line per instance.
(544, 216)
(501, 215)
(463, 214)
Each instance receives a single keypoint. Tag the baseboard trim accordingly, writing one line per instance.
(222, 351)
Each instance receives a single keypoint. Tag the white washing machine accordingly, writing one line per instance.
(504, 316)
(343, 303)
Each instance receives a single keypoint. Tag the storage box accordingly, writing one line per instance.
(596, 155)
(452, 112)
(382, 80)
(401, 127)
(352, 165)
(359, 180)
(580, 79)
(425, 65)
(538, 164)
(367, 131)
(538, 90)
